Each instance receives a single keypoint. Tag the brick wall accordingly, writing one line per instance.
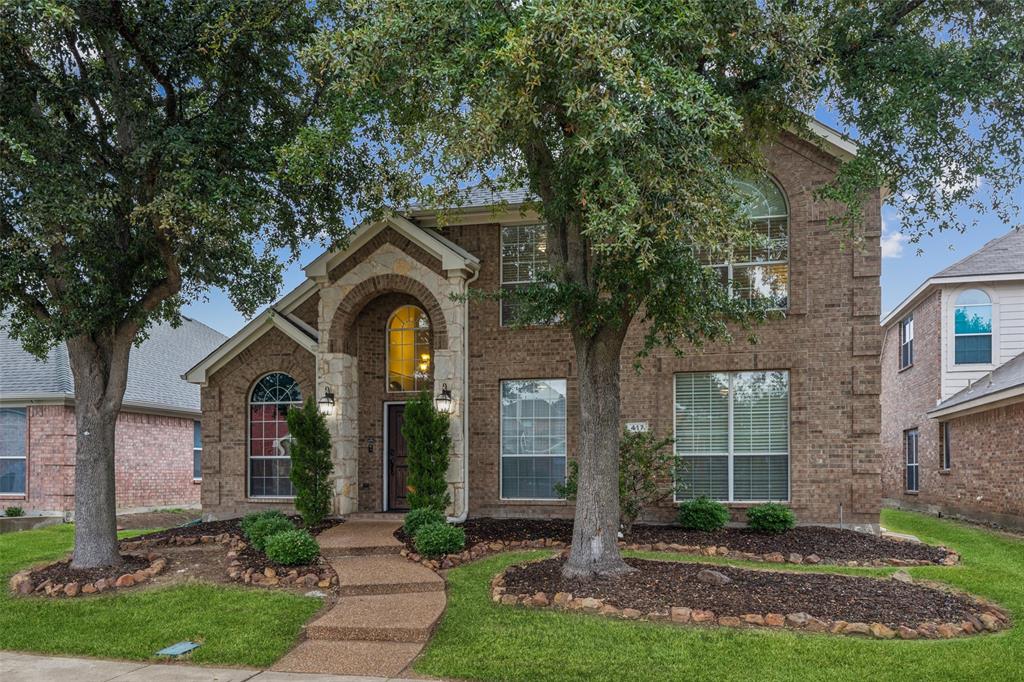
(152, 461)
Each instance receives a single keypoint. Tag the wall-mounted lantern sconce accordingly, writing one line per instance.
(443, 401)
(326, 404)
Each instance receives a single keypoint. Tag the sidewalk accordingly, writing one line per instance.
(18, 667)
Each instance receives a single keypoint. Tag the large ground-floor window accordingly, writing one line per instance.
(732, 435)
(533, 446)
(270, 462)
(12, 450)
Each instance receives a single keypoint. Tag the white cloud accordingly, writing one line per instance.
(892, 245)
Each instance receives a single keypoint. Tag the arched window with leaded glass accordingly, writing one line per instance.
(270, 463)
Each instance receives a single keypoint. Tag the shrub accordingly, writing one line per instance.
(770, 518)
(14, 511)
(292, 547)
(642, 461)
(249, 519)
(436, 539)
(429, 444)
(417, 518)
(262, 529)
(311, 462)
(703, 514)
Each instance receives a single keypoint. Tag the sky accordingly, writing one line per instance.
(904, 266)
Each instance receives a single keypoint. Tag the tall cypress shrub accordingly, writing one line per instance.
(311, 462)
(429, 445)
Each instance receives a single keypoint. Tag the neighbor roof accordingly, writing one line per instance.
(1004, 383)
(154, 369)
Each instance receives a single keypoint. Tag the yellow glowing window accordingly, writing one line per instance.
(410, 357)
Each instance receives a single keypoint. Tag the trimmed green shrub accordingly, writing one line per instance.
(417, 518)
(292, 547)
(703, 514)
(437, 539)
(429, 444)
(249, 519)
(311, 462)
(14, 511)
(261, 530)
(770, 518)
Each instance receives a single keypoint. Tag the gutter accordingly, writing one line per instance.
(464, 514)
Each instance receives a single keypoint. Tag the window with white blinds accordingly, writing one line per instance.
(732, 435)
(523, 259)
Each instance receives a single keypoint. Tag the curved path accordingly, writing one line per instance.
(387, 610)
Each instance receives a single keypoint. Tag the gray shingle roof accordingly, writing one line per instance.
(1008, 375)
(154, 369)
(1002, 256)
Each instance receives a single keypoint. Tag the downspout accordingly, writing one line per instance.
(465, 407)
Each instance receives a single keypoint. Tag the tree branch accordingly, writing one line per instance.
(131, 37)
(30, 302)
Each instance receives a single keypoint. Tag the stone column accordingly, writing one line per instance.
(338, 372)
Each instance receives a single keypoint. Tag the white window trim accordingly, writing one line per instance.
(429, 383)
(24, 494)
(902, 325)
(501, 445)
(196, 479)
(731, 454)
(949, 324)
(501, 269)
(946, 456)
(917, 460)
(248, 440)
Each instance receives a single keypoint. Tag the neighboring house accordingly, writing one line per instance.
(158, 441)
(794, 418)
(953, 389)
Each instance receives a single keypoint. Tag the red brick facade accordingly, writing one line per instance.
(152, 459)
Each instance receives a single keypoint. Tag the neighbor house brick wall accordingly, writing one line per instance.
(152, 461)
(225, 403)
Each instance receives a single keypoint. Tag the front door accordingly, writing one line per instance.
(398, 468)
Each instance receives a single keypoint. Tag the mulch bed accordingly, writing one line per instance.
(818, 601)
(230, 526)
(824, 544)
(61, 572)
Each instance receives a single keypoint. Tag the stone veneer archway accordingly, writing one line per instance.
(388, 269)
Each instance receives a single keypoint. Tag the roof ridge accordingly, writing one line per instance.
(1013, 231)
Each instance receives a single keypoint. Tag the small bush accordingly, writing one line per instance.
(703, 514)
(417, 518)
(436, 539)
(260, 530)
(249, 519)
(770, 518)
(292, 547)
(14, 511)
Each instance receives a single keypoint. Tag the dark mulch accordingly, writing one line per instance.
(659, 585)
(231, 526)
(258, 561)
(61, 571)
(832, 544)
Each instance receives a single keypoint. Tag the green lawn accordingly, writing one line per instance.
(235, 626)
(480, 640)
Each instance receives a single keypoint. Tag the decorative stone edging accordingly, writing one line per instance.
(483, 549)
(991, 618)
(21, 583)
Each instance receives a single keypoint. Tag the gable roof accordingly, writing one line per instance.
(1000, 259)
(154, 369)
(1003, 384)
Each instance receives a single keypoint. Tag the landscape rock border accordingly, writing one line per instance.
(991, 618)
(483, 549)
(22, 583)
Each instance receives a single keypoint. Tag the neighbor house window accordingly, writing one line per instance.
(523, 259)
(270, 463)
(732, 435)
(410, 361)
(197, 451)
(533, 447)
(910, 451)
(760, 270)
(906, 342)
(12, 450)
(947, 446)
(972, 321)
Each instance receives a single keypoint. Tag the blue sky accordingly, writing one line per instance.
(904, 265)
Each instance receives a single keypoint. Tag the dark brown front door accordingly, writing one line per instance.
(398, 469)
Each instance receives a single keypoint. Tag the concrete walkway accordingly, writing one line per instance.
(387, 610)
(18, 667)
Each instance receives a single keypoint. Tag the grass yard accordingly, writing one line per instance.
(235, 626)
(481, 640)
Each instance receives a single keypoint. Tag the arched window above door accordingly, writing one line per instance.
(410, 353)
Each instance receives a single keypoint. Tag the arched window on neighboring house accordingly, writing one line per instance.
(270, 463)
(972, 328)
(410, 355)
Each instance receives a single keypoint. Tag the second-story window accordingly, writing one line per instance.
(523, 259)
(972, 322)
(906, 341)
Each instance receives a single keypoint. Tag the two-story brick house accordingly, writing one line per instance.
(794, 418)
(953, 389)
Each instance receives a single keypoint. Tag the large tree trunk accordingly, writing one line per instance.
(100, 368)
(595, 549)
